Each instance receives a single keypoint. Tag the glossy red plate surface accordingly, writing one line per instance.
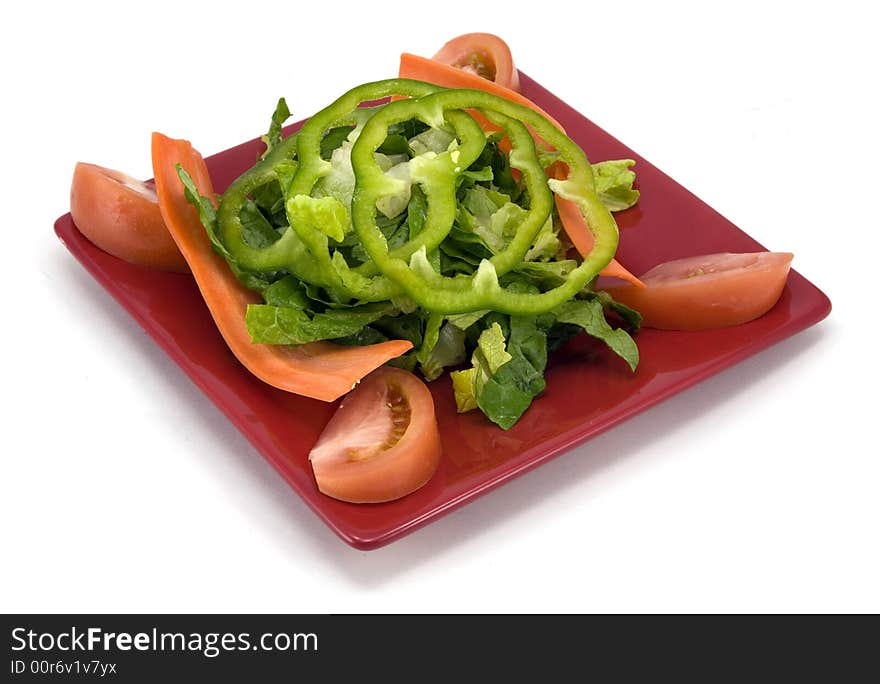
(588, 389)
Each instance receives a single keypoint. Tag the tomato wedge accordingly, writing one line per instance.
(483, 54)
(120, 214)
(442, 74)
(321, 370)
(382, 443)
(710, 291)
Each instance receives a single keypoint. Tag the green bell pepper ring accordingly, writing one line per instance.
(460, 294)
(304, 250)
(441, 186)
(300, 251)
(436, 174)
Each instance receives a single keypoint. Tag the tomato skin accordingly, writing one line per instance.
(483, 54)
(709, 291)
(121, 215)
(382, 443)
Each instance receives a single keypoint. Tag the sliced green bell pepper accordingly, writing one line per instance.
(308, 249)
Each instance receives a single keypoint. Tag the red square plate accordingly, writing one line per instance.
(588, 389)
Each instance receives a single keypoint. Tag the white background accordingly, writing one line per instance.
(124, 489)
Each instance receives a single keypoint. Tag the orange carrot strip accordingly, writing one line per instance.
(320, 370)
(432, 71)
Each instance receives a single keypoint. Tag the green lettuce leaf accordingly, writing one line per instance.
(489, 355)
(393, 204)
(269, 324)
(408, 326)
(333, 139)
(589, 314)
(498, 229)
(364, 336)
(279, 116)
(431, 335)
(630, 317)
(546, 245)
(614, 181)
(494, 158)
(447, 349)
(416, 211)
(614, 184)
(495, 219)
(466, 320)
(288, 291)
(506, 375)
(434, 140)
(256, 230)
(270, 200)
(506, 395)
(547, 274)
(208, 219)
(463, 389)
(483, 202)
(326, 214)
(338, 182)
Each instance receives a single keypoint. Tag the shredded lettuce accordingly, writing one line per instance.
(508, 363)
(506, 375)
(326, 214)
(507, 354)
(482, 202)
(547, 274)
(614, 184)
(338, 182)
(448, 350)
(510, 391)
(465, 321)
(489, 355)
(434, 140)
(393, 204)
